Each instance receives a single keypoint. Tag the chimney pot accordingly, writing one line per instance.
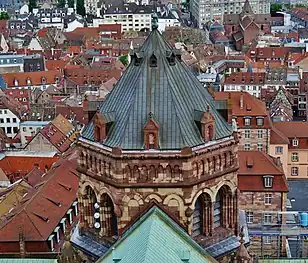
(241, 101)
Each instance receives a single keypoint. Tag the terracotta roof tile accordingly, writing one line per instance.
(252, 106)
(276, 137)
(16, 167)
(56, 64)
(245, 78)
(38, 215)
(293, 129)
(36, 78)
(253, 166)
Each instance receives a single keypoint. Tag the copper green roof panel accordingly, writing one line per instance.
(172, 93)
(27, 260)
(282, 260)
(156, 238)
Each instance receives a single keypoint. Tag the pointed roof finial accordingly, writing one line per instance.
(154, 20)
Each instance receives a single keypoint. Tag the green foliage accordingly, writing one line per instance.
(80, 9)
(32, 4)
(124, 60)
(71, 3)
(61, 4)
(4, 16)
(276, 7)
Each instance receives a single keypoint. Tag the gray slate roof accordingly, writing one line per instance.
(171, 93)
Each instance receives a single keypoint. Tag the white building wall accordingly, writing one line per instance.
(9, 122)
(254, 90)
(27, 130)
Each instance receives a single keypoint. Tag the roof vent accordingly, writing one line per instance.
(153, 61)
(249, 163)
(185, 256)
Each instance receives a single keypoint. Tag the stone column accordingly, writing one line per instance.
(91, 212)
(98, 166)
(211, 219)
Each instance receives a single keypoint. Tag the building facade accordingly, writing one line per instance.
(203, 11)
(263, 195)
(297, 158)
(250, 117)
(185, 166)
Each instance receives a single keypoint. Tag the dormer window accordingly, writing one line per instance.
(102, 125)
(151, 133)
(16, 82)
(247, 121)
(43, 80)
(28, 82)
(260, 121)
(268, 181)
(295, 142)
(206, 124)
(153, 61)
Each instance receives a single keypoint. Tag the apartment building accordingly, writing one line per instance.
(250, 116)
(263, 194)
(130, 15)
(297, 148)
(203, 11)
(253, 83)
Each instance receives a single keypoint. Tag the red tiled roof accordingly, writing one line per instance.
(69, 112)
(253, 166)
(18, 166)
(252, 106)
(293, 129)
(56, 137)
(245, 78)
(39, 213)
(36, 78)
(34, 176)
(81, 76)
(276, 137)
(55, 64)
(42, 32)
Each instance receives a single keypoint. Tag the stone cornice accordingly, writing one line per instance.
(183, 184)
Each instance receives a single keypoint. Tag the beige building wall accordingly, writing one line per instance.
(301, 164)
(259, 138)
(40, 143)
(273, 151)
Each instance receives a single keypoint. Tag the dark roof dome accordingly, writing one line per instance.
(159, 84)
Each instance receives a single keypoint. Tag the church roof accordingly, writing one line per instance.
(246, 10)
(169, 91)
(156, 238)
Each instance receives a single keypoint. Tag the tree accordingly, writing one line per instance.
(71, 3)
(124, 59)
(4, 16)
(80, 8)
(61, 3)
(32, 4)
(276, 7)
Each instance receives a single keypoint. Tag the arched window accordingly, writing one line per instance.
(210, 133)
(202, 216)
(90, 210)
(217, 211)
(109, 221)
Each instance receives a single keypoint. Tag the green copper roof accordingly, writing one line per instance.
(171, 93)
(282, 260)
(27, 260)
(156, 238)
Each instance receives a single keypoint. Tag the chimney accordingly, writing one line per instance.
(242, 101)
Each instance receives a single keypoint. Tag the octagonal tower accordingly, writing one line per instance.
(158, 139)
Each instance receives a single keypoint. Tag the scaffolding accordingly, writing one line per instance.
(279, 235)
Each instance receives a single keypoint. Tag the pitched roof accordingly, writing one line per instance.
(27, 260)
(252, 106)
(143, 242)
(39, 214)
(160, 89)
(36, 78)
(245, 78)
(20, 164)
(276, 137)
(253, 166)
(246, 10)
(293, 129)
